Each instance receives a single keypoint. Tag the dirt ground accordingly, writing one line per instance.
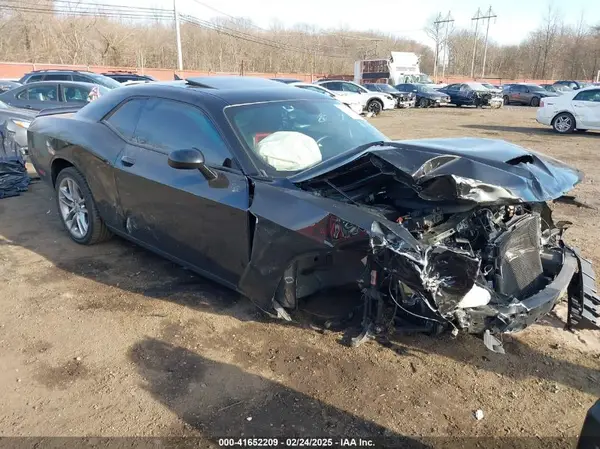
(111, 340)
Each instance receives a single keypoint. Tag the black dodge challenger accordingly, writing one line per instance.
(280, 193)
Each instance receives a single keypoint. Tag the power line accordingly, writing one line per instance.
(252, 38)
(66, 5)
(116, 15)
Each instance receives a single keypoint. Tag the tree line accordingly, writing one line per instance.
(45, 34)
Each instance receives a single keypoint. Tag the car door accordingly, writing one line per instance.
(37, 97)
(178, 212)
(586, 108)
(452, 90)
(520, 94)
(74, 95)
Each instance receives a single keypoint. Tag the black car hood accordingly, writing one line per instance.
(470, 169)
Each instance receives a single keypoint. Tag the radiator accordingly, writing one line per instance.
(519, 265)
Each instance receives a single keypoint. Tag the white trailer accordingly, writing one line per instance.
(400, 67)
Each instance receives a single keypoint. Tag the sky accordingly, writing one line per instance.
(516, 18)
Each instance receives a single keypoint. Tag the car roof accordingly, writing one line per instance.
(43, 72)
(285, 80)
(232, 82)
(68, 83)
(232, 90)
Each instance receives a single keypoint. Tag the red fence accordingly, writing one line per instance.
(16, 70)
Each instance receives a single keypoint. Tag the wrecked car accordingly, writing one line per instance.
(281, 193)
(472, 94)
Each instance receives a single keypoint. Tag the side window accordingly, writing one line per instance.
(464, 88)
(125, 118)
(333, 86)
(43, 93)
(82, 79)
(23, 94)
(170, 125)
(588, 95)
(57, 77)
(453, 87)
(34, 78)
(347, 87)
(75, 93)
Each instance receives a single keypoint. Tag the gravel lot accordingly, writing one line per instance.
(111, 340)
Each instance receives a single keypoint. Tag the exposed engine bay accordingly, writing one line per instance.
(485, 268)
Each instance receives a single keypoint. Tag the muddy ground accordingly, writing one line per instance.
(111, 340)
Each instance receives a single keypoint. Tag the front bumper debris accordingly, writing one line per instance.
(584, 302)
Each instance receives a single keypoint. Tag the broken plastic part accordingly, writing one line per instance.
(492, 343)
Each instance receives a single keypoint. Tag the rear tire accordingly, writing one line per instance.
(375, 106)
(77, 208)
(506, 100)
(564, 123)
(423, 103)
(535, 102)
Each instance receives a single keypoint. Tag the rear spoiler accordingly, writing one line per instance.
(59, 110)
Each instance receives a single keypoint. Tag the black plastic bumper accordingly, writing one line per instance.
(584, 302)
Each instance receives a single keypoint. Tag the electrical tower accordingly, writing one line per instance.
(481, 16)
(437, 25)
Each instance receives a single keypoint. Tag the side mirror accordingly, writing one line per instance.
(191, 159)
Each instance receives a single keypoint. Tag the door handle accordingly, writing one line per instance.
(27, 106)
(127, 161)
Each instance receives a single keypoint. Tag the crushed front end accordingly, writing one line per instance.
(494, 269)
(462, 237)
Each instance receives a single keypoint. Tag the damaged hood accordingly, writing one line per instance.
(470, 169)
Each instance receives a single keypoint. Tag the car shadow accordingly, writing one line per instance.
(525, 130)
(31, 222)
(218, 400)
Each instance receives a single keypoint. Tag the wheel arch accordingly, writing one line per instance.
(58, 165)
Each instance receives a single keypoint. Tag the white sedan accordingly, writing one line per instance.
(577, 110)
(351, 101)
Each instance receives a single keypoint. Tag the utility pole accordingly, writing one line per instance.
(477, 18)
(178, 36)
(436, 31)
(446, 59)
(437, 27)
(489, 15)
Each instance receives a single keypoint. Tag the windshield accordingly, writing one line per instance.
(477, 86)
(489, 86)
(535, 88)
(104, 81)
(387, 88)
(426, 89)
(285, 137)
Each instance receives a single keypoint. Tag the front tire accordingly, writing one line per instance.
(77, 209)
(375, 107)
(564, 123)
(423, 103)
(506, 100)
